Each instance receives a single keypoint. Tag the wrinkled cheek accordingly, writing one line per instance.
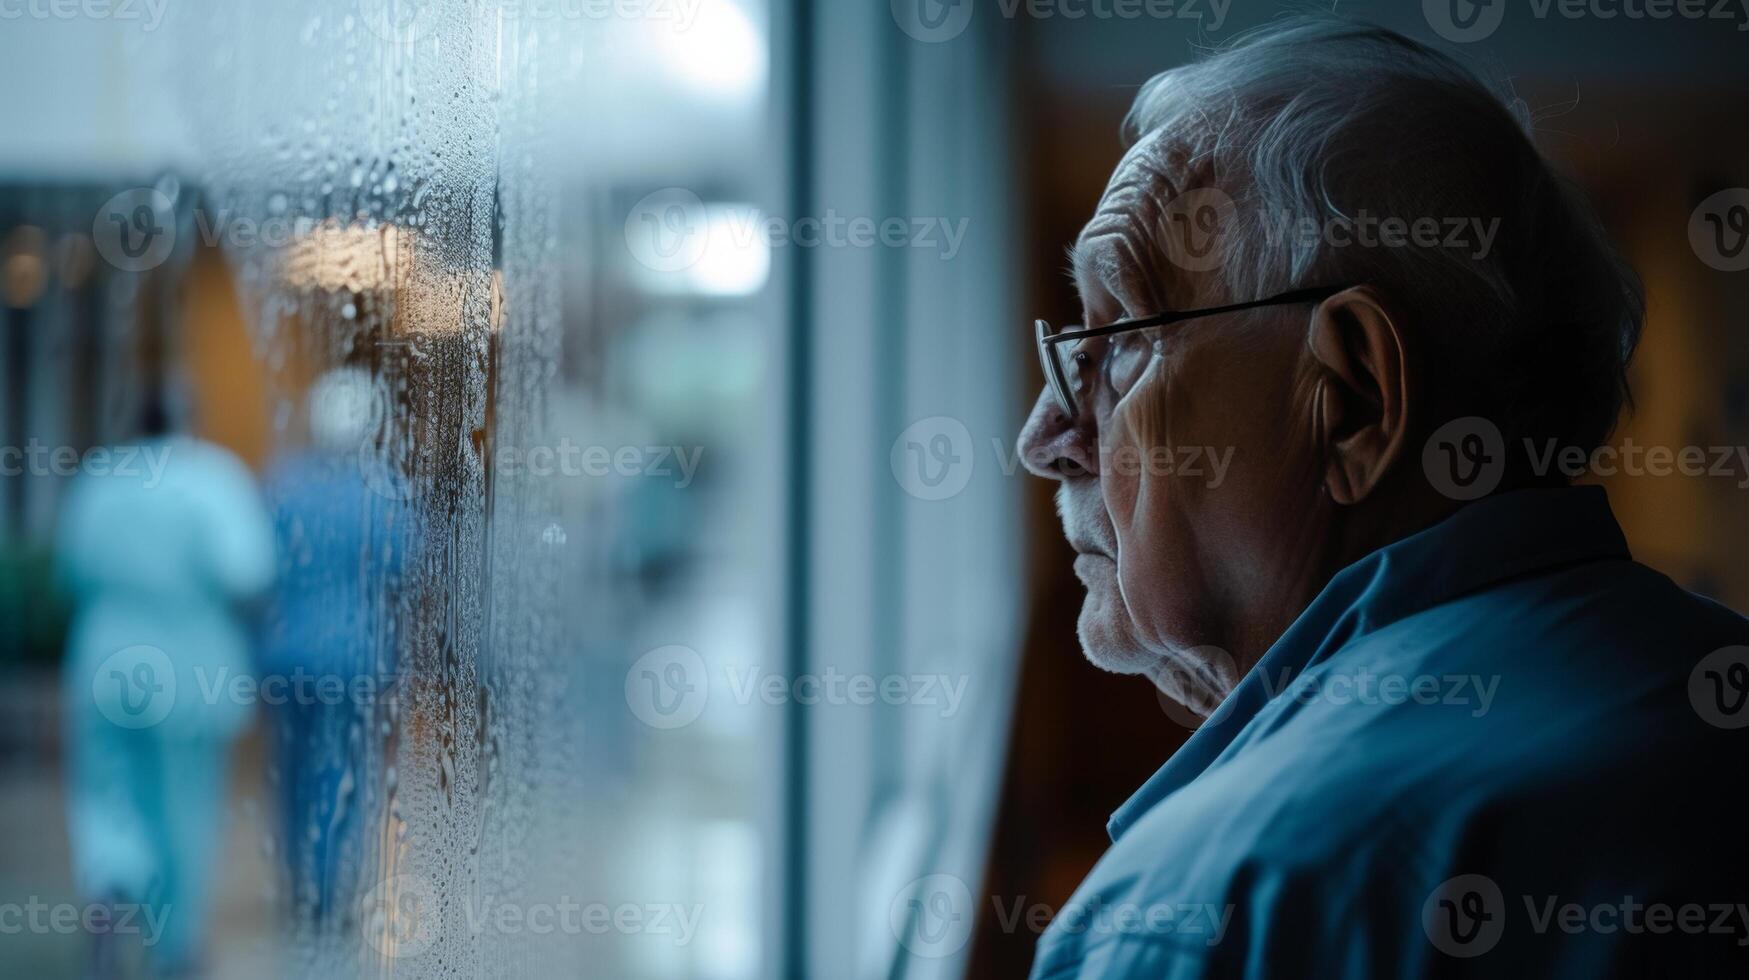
(1121, 480)
(1146, 557)
(1140, 497)
(1136, 462)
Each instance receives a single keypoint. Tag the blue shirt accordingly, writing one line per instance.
(1496, 747)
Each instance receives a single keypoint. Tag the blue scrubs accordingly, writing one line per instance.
(342, 547)
(158, 556)
(1498, 747)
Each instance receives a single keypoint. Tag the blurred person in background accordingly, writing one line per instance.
(1443, 707)
(159, 558)
(343, 529)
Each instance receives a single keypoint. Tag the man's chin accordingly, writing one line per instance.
(1199, 677)
(1104, 627)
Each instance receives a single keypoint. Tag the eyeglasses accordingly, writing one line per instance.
(1053, 354)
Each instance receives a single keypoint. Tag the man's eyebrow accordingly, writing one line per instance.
(1080, 268)
(1090, 287)
(1097, 266)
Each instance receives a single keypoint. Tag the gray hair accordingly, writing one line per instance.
(1318, 120)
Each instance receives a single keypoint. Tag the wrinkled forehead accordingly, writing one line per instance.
(1119, 252)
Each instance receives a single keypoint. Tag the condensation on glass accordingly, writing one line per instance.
(423, 211)
(372, 184)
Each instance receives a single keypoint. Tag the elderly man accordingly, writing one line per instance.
(1451, 726)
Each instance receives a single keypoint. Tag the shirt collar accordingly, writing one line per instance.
(1489, 541)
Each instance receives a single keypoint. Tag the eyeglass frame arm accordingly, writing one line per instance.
(1163, 319)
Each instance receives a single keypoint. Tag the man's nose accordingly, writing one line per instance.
(1054, 446)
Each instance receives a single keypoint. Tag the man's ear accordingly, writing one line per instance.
(1362, 408)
